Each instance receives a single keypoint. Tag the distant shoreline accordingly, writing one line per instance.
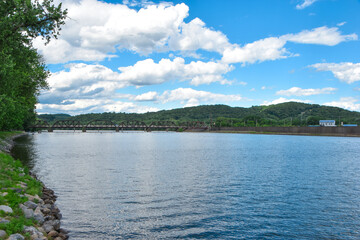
(302, 131)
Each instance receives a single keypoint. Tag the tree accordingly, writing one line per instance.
(22, 71)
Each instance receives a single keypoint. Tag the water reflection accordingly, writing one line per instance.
(200, 185)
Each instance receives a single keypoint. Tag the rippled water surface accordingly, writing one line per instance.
(165, 185)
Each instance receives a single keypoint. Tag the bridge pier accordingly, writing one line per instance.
(84, 129)
(117, 129)
(50, 130)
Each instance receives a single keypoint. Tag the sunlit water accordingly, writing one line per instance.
(165, 185)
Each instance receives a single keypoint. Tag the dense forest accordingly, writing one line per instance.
(283, 114)
(22, 71)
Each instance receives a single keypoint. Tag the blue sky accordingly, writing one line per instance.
(140, 56)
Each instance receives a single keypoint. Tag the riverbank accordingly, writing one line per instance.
(305, 131)
(27, 207)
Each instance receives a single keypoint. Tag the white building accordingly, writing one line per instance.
(327, 123)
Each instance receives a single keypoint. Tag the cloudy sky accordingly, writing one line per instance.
(140, 56)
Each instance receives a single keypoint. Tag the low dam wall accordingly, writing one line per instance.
(326, 131)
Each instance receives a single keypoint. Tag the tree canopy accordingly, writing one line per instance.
(22, 71)
(284, 114)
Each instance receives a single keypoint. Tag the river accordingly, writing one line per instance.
(166, 185)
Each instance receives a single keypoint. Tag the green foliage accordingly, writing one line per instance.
(16, 225)
(284, 114)
(22, 71)
(12, 174)
(52, 118)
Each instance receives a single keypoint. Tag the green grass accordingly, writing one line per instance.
(12, 173)
(4, 135)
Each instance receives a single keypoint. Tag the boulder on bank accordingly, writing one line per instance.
(2, 234)
(30, 204)
(6, 209)
(16, 236)
(29, 213)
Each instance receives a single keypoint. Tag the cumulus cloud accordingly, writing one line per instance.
(262, 50)
(296, 91)
(185, 96)
(78, 106)
(95, 28)
(305, 4)
(149, 96)
(321, 35)
(283, 100)
(194, 35)
(191, 97)
(87, 78)
(349, 103)
(71, 89)
(147, 72)
(273, 48)
(347, 72)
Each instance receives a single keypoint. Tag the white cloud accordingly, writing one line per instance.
(296, 91)
(262, 50)
(349, 103)
(321, 35)
(191, 97)
(273, 48)
(194, 35)
(86, 78)
(78, 106)
(283, 100)
(305, 4)
(149, 96)
(147, 72)
(80, 82)
(185, 96)
(347, 72)
(95, 28)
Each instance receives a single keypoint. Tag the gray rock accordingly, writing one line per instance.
(47, 227)
(30, 204)
(39, 217)
(16, 237)
(51, 225)
(6, 209)
(3, 220)
(2, 234)
(47, 206)
(53, 234)
(29, 213)
(33, 231)
(46, 210)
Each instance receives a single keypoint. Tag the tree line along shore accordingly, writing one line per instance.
(278, 115)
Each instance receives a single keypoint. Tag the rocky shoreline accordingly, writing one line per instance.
(42, 209)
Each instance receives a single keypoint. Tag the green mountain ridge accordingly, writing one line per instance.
(290, 113)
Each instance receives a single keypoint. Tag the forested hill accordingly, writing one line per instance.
(290, 113)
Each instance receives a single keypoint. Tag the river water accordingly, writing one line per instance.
(166, 185)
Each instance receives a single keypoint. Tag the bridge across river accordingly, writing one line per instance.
(128, 125)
